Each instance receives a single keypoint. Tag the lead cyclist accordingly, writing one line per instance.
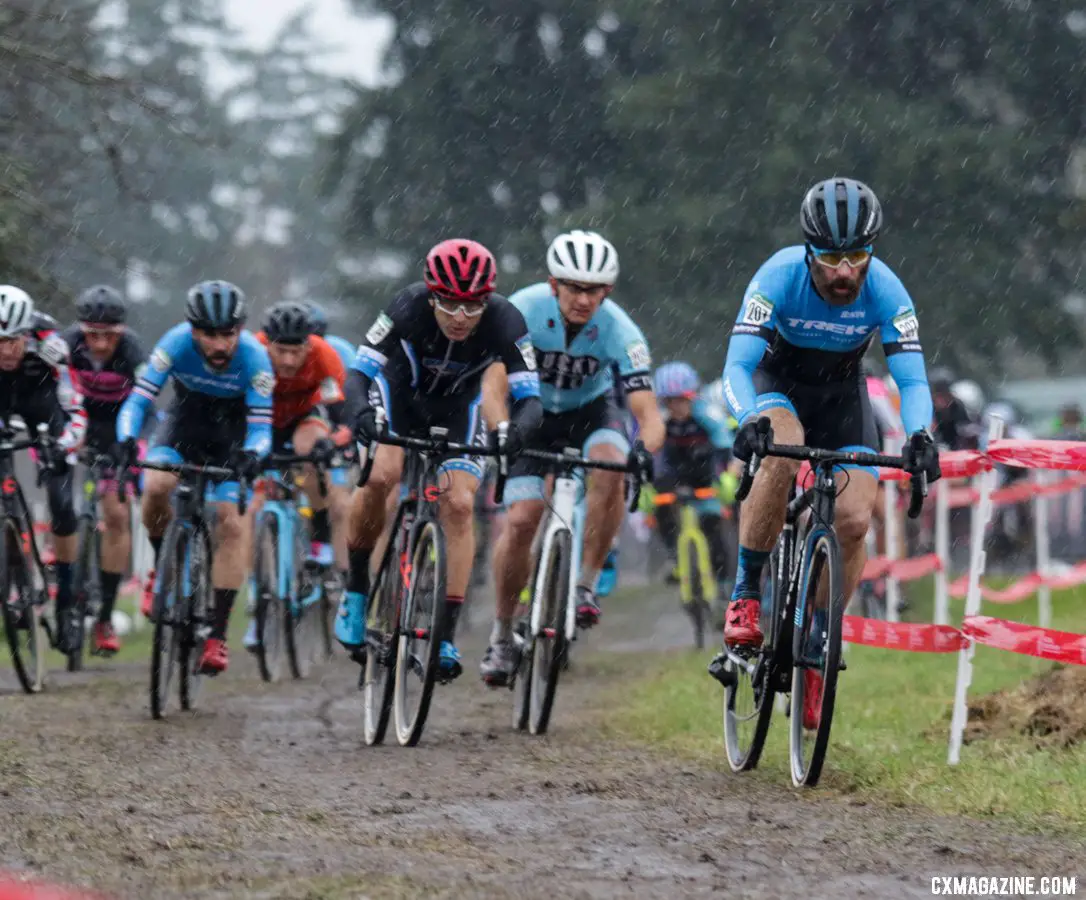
(793, 375)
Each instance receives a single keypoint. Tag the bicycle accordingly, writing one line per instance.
(542, 642)
(24, 584)
(291, 606)
(407, 615)
(806, 556)
(183, 604)
(697, 580)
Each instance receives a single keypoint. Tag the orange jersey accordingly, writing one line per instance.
(319, 382)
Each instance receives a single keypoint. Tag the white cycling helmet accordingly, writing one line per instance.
(583, 256)
(16, 311)
(970, 395)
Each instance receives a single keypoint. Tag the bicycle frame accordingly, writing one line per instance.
(567, 513)
(288, 518)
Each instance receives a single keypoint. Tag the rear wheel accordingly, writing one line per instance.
(422, 627)
(268, 610)
(166, 614)
(85, 585)
(817, 653)
(23, 625)
(550, 646)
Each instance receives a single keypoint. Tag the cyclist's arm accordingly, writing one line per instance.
(900, 333)
(54, 350)
(332, 374)
(515, 360)
(258, 397)
(629, 351)
(150, 379)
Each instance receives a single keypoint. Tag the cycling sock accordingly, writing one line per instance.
(453, 605)
(322, 530)
(64, 583)
(358, 575)
(501, 631)
(156, 545)
(224, 603)
(110, 582)
(748, 575)
(588, 578)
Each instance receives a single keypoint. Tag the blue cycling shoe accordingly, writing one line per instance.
(608, 578)
(449, 662)
(351, 620)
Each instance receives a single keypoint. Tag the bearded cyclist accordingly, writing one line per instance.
(793, 375)
(422, 362)
(105, 358)
(221, 415)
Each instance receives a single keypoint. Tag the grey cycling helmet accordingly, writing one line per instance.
(840, 214)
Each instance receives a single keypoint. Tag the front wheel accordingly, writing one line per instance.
(550, 646)
(166, 614)
(422, 626)
(268, 609)
(199, 613)
(86, 595)
(23, 624)
(817, 654)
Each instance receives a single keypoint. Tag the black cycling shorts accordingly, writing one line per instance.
(202, 433)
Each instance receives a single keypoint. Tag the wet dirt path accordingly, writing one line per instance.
(268, 792)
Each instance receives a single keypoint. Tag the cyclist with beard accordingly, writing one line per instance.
(221, 416)
(793, 375)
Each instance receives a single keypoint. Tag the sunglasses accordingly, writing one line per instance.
(831, 259)
(219, 332)
(96, 328)
(471, 309)
(578, 288)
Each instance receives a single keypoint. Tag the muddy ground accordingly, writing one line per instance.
(268, 792)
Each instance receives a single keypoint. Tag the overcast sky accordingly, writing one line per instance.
(358, 40)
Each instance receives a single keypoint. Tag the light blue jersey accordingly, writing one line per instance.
(344, 348)
(574, 374)
(247, 379)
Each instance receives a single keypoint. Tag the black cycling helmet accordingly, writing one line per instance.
(840, 214)
(288, 323)
(101, 305)
(215, 304)
(941, 378)
(318, 320)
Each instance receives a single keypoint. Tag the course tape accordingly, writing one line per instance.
(1029, 640)
(911, 636)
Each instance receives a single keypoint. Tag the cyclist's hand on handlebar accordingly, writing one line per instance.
(753, 438)
(123, 454)
(323, 451)
(369, 426)
(507, 442)
(246, 463)
(640, 461)
(921, 455)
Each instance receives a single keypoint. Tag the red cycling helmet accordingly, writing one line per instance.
(461, 270)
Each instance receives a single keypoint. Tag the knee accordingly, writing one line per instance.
(851, 525)
(606, 484)
(521, 523)
(457, 506)
(230, 527)
(115, 518)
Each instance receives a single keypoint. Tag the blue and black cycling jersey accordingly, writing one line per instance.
(696, 448)
(787, 332)
(344, 348)
(245, 384)
(577, 365)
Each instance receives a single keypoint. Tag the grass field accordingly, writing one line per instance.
(890, 732)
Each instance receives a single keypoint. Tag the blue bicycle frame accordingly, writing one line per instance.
(288, 520)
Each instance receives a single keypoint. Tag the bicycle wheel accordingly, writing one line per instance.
(300, 611)
(549, 647)
(23, 626)
(166, 615)
(199, 609)
(331, 594)
(84, 581)
(816, 652)
(522, 679)
(382, 642)
(268, 610)
(748, 698)
(697, 607)
(422, 626)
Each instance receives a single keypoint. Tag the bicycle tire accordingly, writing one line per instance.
(165, 613)
(331, 595)
(822, 550)
(522, 678)
(697, 606)
(268, 610)
(199, 609)
(83, 573)
(378, 679)
(27, 645)
(299, 621)
(427, 566)
(762, 687)
(550, 646)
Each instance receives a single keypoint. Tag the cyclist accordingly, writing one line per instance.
(307, 404)
(105, 357)
(424, 359)
(221, 415)
(578, 333)
(338, 476)
(36, 384)
(793, 374)
(696, 449)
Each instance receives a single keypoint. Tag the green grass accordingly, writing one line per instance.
(890, 731)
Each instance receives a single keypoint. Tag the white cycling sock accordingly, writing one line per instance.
(502, 631)
(588, 578)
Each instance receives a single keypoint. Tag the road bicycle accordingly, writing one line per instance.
(802, 618)
(542, 642)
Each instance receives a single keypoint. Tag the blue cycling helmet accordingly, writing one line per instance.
(318, 319)
(840, 214)
(215, 304)
(676, 379)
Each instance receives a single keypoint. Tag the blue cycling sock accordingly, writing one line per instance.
(748, 574)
